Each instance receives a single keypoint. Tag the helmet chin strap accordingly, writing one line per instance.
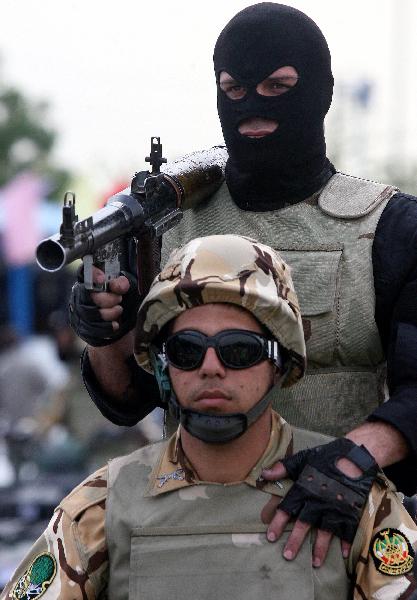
(217, 429)
(213, 429)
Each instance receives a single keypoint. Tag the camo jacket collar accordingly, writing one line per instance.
(173, 470)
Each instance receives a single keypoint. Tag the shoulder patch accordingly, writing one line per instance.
(36, 579)
(392, 552)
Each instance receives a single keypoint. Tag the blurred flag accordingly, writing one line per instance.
(116, 187)
(21, 200)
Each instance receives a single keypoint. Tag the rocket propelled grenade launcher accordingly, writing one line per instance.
(153, 204)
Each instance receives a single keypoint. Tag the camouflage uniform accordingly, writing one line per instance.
(75, 541)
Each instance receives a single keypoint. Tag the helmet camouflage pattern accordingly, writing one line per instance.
(229, 269)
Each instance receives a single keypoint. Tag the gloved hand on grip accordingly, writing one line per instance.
(102, 318)
(322, 495)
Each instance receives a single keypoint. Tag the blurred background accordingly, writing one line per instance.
(83, 87)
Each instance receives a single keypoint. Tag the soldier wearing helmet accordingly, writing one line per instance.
(221, 331)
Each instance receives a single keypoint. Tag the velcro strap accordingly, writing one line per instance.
(361, 457)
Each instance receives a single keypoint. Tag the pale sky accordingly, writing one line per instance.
(117, 73)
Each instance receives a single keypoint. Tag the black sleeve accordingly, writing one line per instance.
(395, 276)
(141, 398)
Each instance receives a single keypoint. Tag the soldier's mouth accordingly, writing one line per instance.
(257, 127)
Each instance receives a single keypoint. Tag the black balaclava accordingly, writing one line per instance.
(290, 164)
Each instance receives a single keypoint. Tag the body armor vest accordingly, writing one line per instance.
(205, 541)
(327, 241)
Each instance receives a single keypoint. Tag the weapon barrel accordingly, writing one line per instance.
(121, 216)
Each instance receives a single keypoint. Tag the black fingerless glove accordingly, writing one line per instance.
(322, 495)
(85, 319)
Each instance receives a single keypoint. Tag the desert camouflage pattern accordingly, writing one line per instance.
(231, 269)
(77, 536)
(186, 504)
(186, 534)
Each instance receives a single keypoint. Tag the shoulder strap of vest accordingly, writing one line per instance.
(303, 438)
(347, 197)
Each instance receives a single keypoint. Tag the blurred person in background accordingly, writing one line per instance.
(32, 383)
(31, 374)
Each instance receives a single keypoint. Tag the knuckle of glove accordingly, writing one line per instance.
(295, 464)
(344, 528)
(294, 501)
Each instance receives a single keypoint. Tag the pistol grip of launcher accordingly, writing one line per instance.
(110, 258)
(148, 251)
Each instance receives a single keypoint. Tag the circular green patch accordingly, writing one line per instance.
(36, 579)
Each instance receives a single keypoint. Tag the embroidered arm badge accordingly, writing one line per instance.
(392, 552)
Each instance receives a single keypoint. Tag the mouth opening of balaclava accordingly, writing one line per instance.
(290, 164)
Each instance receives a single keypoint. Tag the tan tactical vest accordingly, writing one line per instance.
(327, 240)
(205, 541)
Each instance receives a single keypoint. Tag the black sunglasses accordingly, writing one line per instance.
(235, 348)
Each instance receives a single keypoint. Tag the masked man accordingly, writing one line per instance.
(351, 244)
(221, 330)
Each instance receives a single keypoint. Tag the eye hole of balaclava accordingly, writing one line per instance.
(279, 82)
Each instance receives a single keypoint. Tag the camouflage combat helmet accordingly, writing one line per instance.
(229, 269)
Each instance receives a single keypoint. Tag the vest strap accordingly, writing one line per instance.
(363, 196)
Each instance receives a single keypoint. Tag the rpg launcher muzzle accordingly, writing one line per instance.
(153, 204)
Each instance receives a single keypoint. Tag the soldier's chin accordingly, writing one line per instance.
(213, 406)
